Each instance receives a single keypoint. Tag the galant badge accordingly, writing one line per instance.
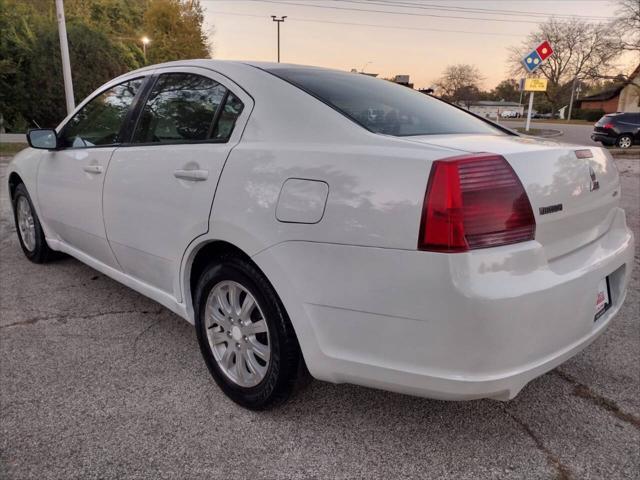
(593, 184)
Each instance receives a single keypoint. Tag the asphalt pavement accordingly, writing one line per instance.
(98, 382)
(578, 134)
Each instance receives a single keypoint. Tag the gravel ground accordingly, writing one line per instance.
(100, 382)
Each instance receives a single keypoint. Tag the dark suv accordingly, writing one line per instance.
(619, 129)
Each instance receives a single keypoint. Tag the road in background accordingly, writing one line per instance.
(578, 134)
(101, 382)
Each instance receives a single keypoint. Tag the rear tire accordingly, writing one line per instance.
(28, 227)
(231, 335)
(624, 141)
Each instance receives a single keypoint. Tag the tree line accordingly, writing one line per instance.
(104, 41)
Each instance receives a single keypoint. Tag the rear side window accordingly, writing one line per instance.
(181, 107)
(382, 106)
(98, 123)
(228, 116)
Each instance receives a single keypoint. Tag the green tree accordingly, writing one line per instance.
(175, 29)
(95, 59)
(104, 41)
(507, 90)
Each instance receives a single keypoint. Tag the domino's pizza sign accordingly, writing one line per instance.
(535, 58)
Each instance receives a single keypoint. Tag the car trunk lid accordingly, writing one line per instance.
(573, 189)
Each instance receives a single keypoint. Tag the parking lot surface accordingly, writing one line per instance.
(97, 381)
(570, 133)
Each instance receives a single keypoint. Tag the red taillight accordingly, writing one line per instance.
(474, 201)
(609, 125)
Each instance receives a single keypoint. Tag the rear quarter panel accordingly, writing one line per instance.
(376, 183)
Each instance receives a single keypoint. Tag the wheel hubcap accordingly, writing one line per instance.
(237, 333)
(625, 142)
(26, 224)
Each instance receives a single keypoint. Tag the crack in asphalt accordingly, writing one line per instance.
(32, 321)
(583, 391)
(141, 334)
(563, 471)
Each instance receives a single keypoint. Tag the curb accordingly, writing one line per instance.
(625, 152)
(542, 133)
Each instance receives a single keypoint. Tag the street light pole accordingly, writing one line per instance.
(64, 53)
(145, 41)
(278, 21)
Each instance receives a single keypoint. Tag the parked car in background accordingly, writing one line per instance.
(509, 114)
(304, 217)
(619, 129)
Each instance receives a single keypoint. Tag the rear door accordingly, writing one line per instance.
(70, 179)
(160, 186)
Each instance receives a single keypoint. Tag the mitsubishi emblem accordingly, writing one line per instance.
(593, 184)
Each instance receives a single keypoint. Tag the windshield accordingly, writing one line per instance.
(382, 106)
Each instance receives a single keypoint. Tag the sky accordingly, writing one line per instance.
(411, 37)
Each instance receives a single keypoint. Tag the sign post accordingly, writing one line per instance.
(531, 63)
(526, 126)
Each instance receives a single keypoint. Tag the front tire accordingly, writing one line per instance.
(245, 335)
(624, 141)
(28, 227)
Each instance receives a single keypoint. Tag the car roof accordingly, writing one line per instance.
(221, 64)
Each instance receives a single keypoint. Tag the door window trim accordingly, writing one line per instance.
(142, 101)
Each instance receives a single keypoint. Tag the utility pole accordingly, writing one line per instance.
(278, 21)
(64, 53)
(573, 88)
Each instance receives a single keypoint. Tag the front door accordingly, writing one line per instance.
(70, 179)
(160, 187)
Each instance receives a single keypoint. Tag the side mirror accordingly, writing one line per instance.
(43, 138)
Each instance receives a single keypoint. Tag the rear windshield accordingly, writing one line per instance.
(381, 106)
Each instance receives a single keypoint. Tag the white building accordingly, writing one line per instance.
(493, 109)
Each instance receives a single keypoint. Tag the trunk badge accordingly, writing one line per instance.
(593, 184)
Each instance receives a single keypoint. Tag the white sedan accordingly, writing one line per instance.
(419, 249)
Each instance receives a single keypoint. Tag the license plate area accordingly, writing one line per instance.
(603, 298)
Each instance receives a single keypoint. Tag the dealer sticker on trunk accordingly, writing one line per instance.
(602, 298)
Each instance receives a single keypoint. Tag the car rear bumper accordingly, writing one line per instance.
(603, 138)
(456, 327)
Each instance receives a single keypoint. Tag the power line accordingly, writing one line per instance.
(398, 27)
(478, 10)
(411, 14)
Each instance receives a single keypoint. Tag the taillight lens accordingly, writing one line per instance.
(608, 125)
(474, 201)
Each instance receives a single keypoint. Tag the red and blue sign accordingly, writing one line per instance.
(544, 50)
(535, 58)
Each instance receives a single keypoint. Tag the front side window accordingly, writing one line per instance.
(181, 108)
(381, 106)
(98, 123)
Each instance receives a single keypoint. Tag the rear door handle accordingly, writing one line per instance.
(192, 175)
(93, 169)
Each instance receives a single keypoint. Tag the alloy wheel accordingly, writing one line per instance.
(26, 223)
(237, 333)
(624, 142)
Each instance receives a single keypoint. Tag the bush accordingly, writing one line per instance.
(589, 114)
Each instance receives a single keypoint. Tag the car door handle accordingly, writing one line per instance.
(93, 168)
(192, 175)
